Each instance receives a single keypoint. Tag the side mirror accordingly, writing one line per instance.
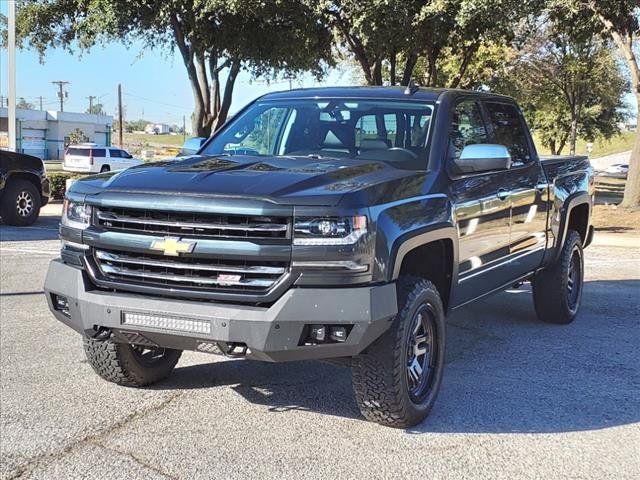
(483, 157)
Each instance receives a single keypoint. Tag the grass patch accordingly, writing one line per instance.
(617, 144)
(140, 139)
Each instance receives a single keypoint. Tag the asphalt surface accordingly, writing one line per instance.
(520, 399)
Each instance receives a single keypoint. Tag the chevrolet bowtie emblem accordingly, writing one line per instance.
(173, 246)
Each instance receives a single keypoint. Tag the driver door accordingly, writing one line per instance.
(482, 209)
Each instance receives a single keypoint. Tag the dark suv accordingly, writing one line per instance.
(24, 188)
(338, 223)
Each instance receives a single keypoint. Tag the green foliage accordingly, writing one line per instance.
(22, 103)
(57, 183)
(77, 136)
(568, 84)
(393, 40)
(212, 36)
(96, 109)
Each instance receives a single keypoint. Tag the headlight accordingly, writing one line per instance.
(329, 231)
(76, 215)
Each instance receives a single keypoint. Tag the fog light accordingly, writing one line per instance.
(338, 334)
(318, 333)
(61, 304)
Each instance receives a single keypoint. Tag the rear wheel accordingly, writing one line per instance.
(20, 203)
(105, 168)
(396, 380)
(557, 290)
(130, 365)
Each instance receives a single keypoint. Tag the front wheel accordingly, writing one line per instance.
(130, 365)
(557, 290)
(396, 380)
(20, 203)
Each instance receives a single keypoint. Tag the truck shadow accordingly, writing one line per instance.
(45, 228)
(505, 372)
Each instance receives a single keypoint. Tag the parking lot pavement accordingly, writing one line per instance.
(520, 399)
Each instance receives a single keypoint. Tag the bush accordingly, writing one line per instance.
(57, 182)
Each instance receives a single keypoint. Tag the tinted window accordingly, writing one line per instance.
(379, 130)
(114, 152)
(509, 130)
(99, 152)
(467, 128)
(81, 152)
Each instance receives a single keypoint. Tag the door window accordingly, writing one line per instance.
(99, 152)
(114, 153)
(467, 128)
(509, 130)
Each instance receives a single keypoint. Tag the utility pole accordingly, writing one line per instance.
(61, 93)
(91, 97)
(11, 70)
(40, 99)
(184, 130)
(120, 120)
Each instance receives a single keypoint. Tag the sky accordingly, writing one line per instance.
(154, 82)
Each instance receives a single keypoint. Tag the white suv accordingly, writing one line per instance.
(92, 158)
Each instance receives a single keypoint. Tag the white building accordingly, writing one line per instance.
(45, 134)
(157, 129)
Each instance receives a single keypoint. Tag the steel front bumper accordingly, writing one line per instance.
(271, 334)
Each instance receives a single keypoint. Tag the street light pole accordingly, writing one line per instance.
(11, 70)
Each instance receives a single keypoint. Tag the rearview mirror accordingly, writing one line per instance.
(483, 157)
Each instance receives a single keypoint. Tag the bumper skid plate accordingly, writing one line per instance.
(264, 333)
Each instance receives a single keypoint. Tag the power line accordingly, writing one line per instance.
(158, 103)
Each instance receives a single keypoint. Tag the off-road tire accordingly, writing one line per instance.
(380, 378)
(118, 363)
(551, 285)
(10, 210)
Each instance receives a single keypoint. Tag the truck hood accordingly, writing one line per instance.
(288, 180)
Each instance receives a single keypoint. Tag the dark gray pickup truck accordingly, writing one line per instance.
(337, 223)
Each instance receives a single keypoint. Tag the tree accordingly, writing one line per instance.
(23, 104)
(568, 84)
(96, 109)
(619, 20)
(217, 39)
(77, 136)
(395, 40)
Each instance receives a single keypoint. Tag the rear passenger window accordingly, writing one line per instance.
(509, 130)
(99, 152)
(114, 153)
(467, 128)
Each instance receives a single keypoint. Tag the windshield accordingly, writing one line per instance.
(389, 131)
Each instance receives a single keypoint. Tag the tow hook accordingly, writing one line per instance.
(100, 334)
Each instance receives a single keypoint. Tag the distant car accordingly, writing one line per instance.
(92, 158)
(622, 168)
(24, 188)
(191, 146)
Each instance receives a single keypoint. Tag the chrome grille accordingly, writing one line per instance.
(199, 225)
(188, 272)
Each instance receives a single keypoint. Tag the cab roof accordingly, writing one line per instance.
(391, 93)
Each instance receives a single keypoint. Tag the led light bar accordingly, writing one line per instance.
(167, 322)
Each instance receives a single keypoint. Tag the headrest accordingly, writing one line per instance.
(373, 144)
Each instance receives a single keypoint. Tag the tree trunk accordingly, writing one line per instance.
(552, 147)
(227, 95)
(409, 65)
(392, 69)
(573, 134)
(632, 189)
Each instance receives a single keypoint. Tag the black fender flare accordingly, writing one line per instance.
(572, 201)
(422, 236)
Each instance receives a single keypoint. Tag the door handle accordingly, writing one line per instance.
(503, 194)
